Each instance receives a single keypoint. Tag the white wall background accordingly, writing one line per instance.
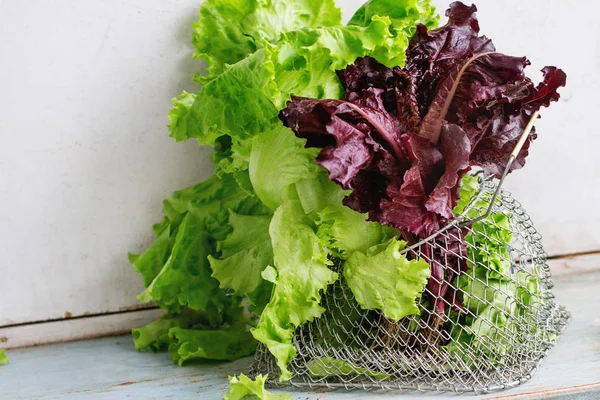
(85, 158)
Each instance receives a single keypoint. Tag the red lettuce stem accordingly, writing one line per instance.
(431, 126)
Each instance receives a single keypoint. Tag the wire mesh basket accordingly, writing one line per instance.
(502, 319)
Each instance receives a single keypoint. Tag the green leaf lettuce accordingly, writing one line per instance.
(155, 336)
(384, 279)
(500, 301)
(299, 274)
(245, 388)
(230, 30)
(219, 344)
(3, 357)
(244, 254)
(200, 216)
(278, 160)
(345, 231)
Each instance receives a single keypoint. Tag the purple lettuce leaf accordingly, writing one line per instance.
(402, 138)
(463, 80)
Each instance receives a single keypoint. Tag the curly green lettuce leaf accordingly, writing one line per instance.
(151, 262)
(154, 258)
(244, 388)
(179, 114)
(497, 297)
(219, 344)
(345, 231)
(244, 100)
(488, 330)
(300, 274)
(331, 367)
(469, 187)
(306, 60)
(318, 191)
(529, 292)
(3, 357)
(489, 245)
(155, 336)
(479, 292)
(386, 280)
(404, 16)
(244, 254)
(185, 277)
(490, 238)
(521, 291)
(237, 103)
(498, 308)
(232, 156)
(176, 332)
(228, 31)
(278, 160)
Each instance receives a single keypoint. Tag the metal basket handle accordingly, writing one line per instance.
(511, 159)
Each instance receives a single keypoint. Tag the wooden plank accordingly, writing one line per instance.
(75, 329)
(111, 368)
(115, 324)
(587, 391)
(575, 265)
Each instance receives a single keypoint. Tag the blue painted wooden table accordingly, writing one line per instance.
(112, 369)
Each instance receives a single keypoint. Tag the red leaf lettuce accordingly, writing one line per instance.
(402, 138)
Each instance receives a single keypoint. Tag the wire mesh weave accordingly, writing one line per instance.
(505, 328)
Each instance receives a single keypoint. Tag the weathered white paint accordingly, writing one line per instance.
(575, 265)
(75, 328)
(85, 159)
